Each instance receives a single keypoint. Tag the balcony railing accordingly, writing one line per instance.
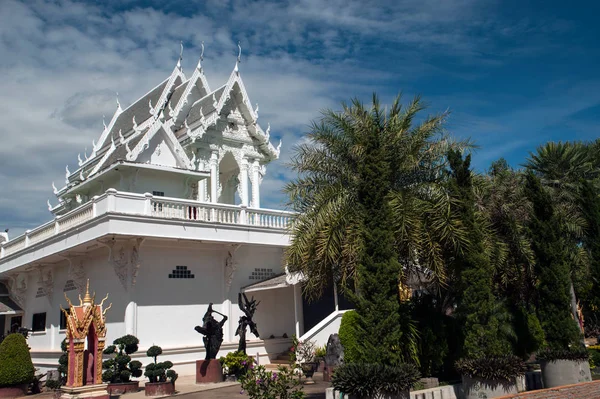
(150, 206)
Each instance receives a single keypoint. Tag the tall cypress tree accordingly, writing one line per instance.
(552, 269)
(478, 309)
(378, 303)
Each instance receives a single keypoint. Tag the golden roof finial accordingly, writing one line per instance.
(87, 299)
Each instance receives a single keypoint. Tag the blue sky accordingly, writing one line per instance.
(515, 74)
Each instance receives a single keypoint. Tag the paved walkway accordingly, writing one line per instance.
(314, 391)
(188, 389)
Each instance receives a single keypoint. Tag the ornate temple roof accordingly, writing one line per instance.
(182, 110)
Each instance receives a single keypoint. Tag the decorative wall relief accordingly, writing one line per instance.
(124, 257)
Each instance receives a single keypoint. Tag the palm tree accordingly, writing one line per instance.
(328, 233)
(564, 168)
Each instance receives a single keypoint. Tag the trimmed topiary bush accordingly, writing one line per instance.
(497, 368)
(373, 380)
(121, 368)
(350, 335)
(159, 372)
(16, 367)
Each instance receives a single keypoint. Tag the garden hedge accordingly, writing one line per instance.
(16, 367)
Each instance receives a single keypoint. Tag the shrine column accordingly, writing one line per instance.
(214, 176)
(255, 184)
(244, 181)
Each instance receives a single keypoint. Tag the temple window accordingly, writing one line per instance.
(39, 322)
(63, 319)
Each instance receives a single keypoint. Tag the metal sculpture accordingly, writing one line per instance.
(248, 307)
(212, 331)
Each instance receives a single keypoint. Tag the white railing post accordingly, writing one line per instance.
(110, 200)
(148, 203)
(2, 251)
(243, 214)
(94, 201)
(56, 226)
(27, 238)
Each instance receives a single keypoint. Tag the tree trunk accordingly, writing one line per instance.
(574, 310)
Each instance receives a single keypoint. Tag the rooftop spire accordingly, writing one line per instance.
(180, 55)
(239, 58)
(201, 56)
(87, 299)
(118, 103)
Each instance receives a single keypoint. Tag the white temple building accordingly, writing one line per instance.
(165, 216)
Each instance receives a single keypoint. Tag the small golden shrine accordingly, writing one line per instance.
(85, 323)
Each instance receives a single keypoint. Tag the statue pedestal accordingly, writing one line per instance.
(97, 391)
(208, 371)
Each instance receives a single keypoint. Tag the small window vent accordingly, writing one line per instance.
(181, 272)
(261, 274)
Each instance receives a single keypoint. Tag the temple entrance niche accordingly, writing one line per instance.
(229, 171)
(86, 334)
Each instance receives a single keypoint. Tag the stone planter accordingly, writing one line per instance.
(208, 371)
(565, 372)
(123, 388)
(476, 388)
(308, 369)
(13, 392)
(159, 388)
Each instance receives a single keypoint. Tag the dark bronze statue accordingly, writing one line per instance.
(248, 308)
(212, 331)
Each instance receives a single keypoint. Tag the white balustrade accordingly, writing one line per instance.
(149, 205)
(14, 245)
(75, 217)
(41, 233)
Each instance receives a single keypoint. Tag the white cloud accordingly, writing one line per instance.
(62, 63)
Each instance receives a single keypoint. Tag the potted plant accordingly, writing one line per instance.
(235, 364)
(491, 376)
(119, 369)
(369, 381)
(162, 378)
(16, 367)
(564, 367)
(320, 353)
(305, 354)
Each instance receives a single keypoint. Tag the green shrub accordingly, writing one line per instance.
(505, 368)
(594, 352)
(259, 383)
(16, 367)
(548, 354)
(121, 368)
(350, 335)
(159, 372)
(235, 363)
(373, 380)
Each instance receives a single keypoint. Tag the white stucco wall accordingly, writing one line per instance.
(168, 309)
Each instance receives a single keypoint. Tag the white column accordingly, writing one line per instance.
(255, 184)
(244, 181)
(131, 318)
(214, 176)
(298, 311)
(201, 190)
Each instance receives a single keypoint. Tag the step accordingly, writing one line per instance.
(281, 361)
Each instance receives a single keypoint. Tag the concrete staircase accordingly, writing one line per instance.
(283, 359)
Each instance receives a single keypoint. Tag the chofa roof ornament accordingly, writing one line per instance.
(239, 58)
(180, 55)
